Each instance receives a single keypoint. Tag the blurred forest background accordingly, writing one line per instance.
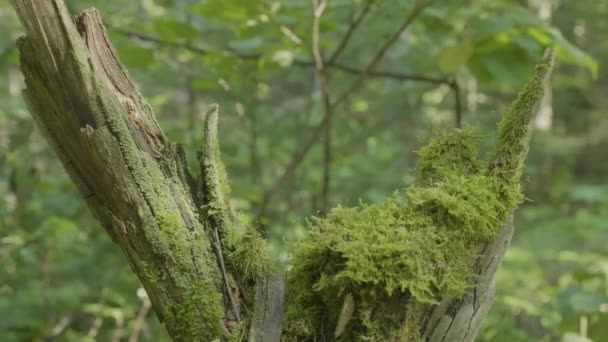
(458, 63)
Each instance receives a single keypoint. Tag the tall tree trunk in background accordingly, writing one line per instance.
(176, 229)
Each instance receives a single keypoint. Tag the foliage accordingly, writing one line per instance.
(60, 268)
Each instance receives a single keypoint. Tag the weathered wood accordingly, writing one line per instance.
(460, 319)
(267, 320)
(130, 175)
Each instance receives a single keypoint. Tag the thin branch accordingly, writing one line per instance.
(351, 29)
(297, 62)
(457, 103)
(94, 330)
(60, 327)
(389, 74)
(318, 9)
(179, 45)
(418, 8)
(140, 320)
(322, 126)
(151, 38)
(327, 160)
(291, 35)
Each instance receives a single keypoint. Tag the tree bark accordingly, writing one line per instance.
(132, 178)
(169, 224)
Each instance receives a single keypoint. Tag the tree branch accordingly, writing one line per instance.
(418, 8)
(298, 62)
(457, 103)
(318, 9)
(351, 29)
(140, 320)
(130, 175)
(322, 126)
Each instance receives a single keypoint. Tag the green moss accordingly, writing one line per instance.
(245, 249)
(377, 252)
(215, 190)
(248, 252)
(199, 305)
(239, 333)
(183, 253)
(448, 153)
(409, 251)
(514, 133)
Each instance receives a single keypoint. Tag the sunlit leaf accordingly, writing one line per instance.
(455, 56)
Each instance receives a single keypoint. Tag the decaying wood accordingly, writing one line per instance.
(130, 175)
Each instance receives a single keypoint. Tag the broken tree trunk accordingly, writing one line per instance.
(133, 179)
(177, 230)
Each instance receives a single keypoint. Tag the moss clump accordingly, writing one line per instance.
(248, 252)
(514, 134)
(394, 258)
(245, 249)
(199, 304)
(448, 153)
(405, 251)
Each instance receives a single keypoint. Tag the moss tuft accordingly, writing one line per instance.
(248, 252)
(406, 252)
(199, 305)
(448, 152)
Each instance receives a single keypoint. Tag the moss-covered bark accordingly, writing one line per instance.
(420, 265)
(133, 179)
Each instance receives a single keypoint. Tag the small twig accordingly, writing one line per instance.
(297, 62)
(179, 45)
(94, 330)
(291, 35)
(140, 320)
(418, 8)
(390, 74)
(318, 9)
(349, 33)
(119, 330)
(220, 256)
(457, 103)
(318, 131)
(60, 327)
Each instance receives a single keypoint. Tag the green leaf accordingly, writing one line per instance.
(227, 10)
(173, 30)
(569, 53)
(564, 50)
(136, 56)
(455, 56)
(246, 45)
(283, 57)
(59, 227)
(574, 337)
